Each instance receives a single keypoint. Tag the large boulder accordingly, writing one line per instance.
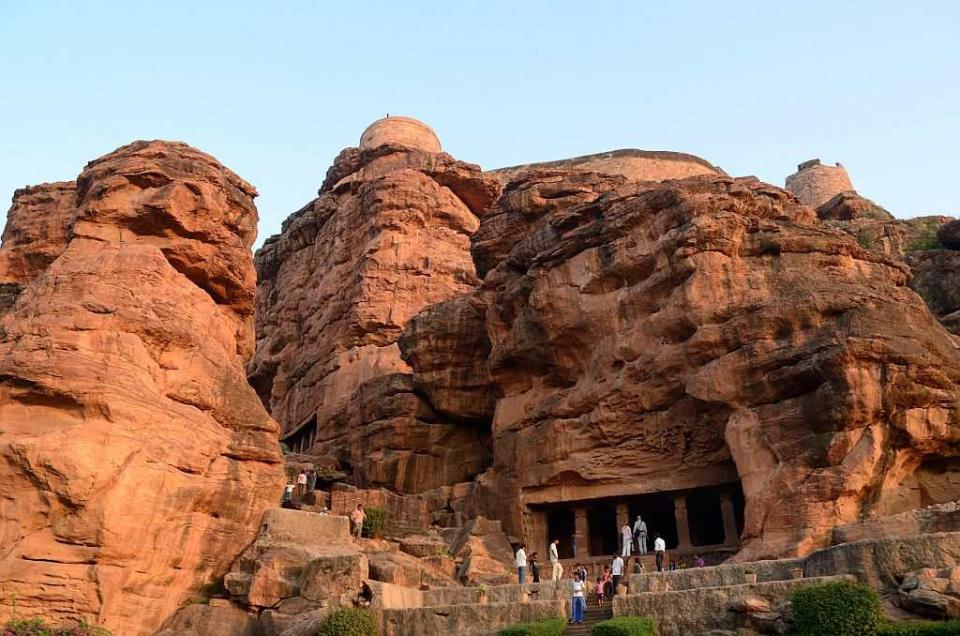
(299, 554)
(136, 460)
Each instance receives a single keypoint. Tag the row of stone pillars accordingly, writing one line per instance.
(730, 534)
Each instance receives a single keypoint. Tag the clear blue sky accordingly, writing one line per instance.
(276, 91)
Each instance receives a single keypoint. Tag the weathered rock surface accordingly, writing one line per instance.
(701, 331)
(299, 554)
(847, 206)
(931, 592)
(205, 620)
(936, 277)
(388, 236)
(136, 460)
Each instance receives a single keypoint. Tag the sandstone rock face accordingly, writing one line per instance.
(298, 554)
(607, 336)
(693, 332)
(931, 592)
(936, 277)
(847, 206)
(136, 461)
(388, 236)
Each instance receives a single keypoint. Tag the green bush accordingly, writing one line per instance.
(349, 622)
(375, 523)
(546, 627)
(37, 627)
(626, 626)
(921, 628)
(838, 609)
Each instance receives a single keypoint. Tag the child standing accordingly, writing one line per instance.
(599, 591)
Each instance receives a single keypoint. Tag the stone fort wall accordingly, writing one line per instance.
(815, 184)
(405, 131)
(641, 165)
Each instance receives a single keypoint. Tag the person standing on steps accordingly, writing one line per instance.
(626, 539)
(534, 568)
(301, 484)
(521, 563)
(616, 570)
(287, 494)
(555, 562)
(640, 534)
(356, 520)
(660, 549)
(578, 601)
(638, 566)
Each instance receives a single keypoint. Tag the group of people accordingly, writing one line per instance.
(305, 482)
(606, 584)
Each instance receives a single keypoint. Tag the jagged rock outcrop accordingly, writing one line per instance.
(136, 460)
(388, 236)
(847, 206)
(681, 334)
(34, 236)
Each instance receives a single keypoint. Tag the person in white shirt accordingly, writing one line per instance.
(302, 483)
(616, 570)
(660, 549)
(626, 539)
(578, 601)
(555, 561)
(640, 534)
(521, 562)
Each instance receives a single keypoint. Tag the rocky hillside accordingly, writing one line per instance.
(606, 336)
(136, 460)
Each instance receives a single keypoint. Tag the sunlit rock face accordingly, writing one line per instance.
(388, 236)
(136, 460)
(645, 336)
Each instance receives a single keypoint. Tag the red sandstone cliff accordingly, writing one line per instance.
(136, 461)
(388, 236)
(603, 337)
(706, 330)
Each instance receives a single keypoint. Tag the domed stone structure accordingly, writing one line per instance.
(405, 131)
(815, 184)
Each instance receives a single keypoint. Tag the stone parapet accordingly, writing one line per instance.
(478, 619)
(682, 612)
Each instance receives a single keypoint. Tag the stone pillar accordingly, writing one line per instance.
(730, 534)
(535, 533)
(582, 532)
(683, 529)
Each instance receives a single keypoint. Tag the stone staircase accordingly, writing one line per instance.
(591, 616)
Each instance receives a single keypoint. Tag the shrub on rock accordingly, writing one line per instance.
(375, 523)
(838, 609)
(626, 626)
(350, 622)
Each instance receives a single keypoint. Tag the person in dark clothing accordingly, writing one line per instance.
(534, 568)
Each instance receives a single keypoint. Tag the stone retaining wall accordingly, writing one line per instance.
(683, 612)
(726, 574)
(466, 620)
